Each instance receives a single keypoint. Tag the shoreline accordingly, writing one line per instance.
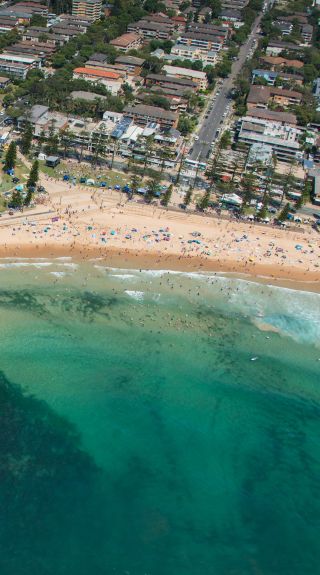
(277, 276)
(74, 222)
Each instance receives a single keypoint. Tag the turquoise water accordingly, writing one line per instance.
(138, 437)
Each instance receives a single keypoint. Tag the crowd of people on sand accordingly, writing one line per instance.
(86, 221)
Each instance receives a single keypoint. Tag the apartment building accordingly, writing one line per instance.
(270, 77)
(142, 115)
(14, 69)
(262, 96)
(88, 9)
(151, 30)
(198, 77)
(211, 42)
(132, 64)
(193, 53)
(278, 62)
(128, 41)
(275, 47)
(282, 137)
(42, 34)
(210, 29)
(170, 82)
(8, 23)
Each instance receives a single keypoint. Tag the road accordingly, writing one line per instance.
(210, 125)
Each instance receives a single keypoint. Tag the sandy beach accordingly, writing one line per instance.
(86, 223)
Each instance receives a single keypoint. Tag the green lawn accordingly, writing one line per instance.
(111, 177)
(6, 185)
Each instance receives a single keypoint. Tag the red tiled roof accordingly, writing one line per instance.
(100, 73)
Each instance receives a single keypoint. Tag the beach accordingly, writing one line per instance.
(87, 223)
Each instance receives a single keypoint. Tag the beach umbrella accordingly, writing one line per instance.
(117, 187)
(113, 233)
(298, 247)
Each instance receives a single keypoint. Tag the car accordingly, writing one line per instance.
(196, 138)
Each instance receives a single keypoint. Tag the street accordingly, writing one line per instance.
(207, 131)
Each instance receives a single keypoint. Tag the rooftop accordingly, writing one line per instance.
(281, 117)
(125, 39)
(98, 73)
(152, 111)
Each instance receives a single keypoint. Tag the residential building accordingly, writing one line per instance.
(284, 26)
(126, 42)
(262, 96)
(142, 115)
(204, 13)
(270, 77)
(209, 29)
(213, 42)
(278, 62)
(150, 30)
(192, 53)
(316, 89)
(306, 32)
(14, 69)
(283, 138)
(111, 80)
(132, 64)
(231, 16)
(4, 81)
(41, 34)
(275, 47)
(285, 118)
(197, 76)
(8, 23)
(88, 9)
(170, 82)
(29, 61)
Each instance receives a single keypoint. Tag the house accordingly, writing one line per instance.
(284, 26)
(231, 16)
(306, 32)
(4, 81)
(142, 115)
(111, 80)
(126, 42)
(261, 96)
(204, 14)
(15, 69)
(198, 77)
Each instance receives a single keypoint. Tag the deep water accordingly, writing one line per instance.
(156, 424)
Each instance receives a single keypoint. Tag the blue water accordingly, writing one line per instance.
(156, 423)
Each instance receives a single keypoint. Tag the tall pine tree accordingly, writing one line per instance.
(26, 139)
(34, 174)
(11, 157)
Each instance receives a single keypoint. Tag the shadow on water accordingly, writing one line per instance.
(50, 520)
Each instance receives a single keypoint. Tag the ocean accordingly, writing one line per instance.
(156, 423)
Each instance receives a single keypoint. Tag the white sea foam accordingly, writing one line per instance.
(58, 274)
(123, 276)
(137, 295)
(26, 264)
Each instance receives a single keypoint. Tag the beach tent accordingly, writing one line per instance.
(19, 188)
(90, 182)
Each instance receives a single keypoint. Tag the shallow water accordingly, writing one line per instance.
(137, 434)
